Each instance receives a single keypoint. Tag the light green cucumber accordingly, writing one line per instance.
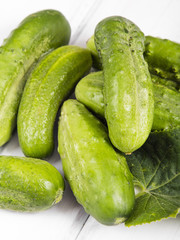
(163, 57)
(38, 33)
(28, 184)
(89, 91)
(128, 90)
(51, 81)
(98, 175)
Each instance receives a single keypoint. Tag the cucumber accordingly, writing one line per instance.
(98, 176)
(51, 81)
(89, 91)
(95, 56)
(128, 90)
(163, 57)
(166, 107)
(28, 184)
(36, 34)
(162, 81)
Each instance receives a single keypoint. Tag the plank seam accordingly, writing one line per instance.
(84, 21)
(82, 227)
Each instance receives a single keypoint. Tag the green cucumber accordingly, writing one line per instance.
(162, 81)
(89, 91)
(51, 81)
(95, 56)
(98, 175)
(163, 57)
(128, 90)
(36, 34)
(166, 107)
(28, 184)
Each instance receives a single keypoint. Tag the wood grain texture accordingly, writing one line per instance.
(67, 220)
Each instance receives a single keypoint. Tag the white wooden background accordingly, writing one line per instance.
(67, 220)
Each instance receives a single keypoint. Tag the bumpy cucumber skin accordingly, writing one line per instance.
(99, 176)
(28, 184)
(166, 107)
(37, 34)
(128, 91)
(89, 91)
(163, 57)
(165, 82)
(51, 81)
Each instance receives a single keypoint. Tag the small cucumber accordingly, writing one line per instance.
(37, 34)
(128, 91)
(163, 57)
(98, 176)
(89, 91)
(28, 184)
(51, 81)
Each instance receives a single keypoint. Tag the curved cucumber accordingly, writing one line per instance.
(163, 57)
(89, 91)
(51, 81)
(37, 34)
(28, 184)
(99, 176)
(128, 91)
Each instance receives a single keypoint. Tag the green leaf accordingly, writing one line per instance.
(156, 169)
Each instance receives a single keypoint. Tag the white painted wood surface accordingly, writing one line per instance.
(67, 220)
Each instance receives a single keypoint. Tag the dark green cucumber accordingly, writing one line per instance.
(98, 176)
(51, 81)
(89, 91)
(37, 34)
(163, 57)
(28, 184)
(128, 91)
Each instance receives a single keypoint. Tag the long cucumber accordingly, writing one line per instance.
(51, 81)
(128, 90)
(98, 175)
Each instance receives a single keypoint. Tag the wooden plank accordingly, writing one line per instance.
(164, 230)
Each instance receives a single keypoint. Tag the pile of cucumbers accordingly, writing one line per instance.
(135, 92)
